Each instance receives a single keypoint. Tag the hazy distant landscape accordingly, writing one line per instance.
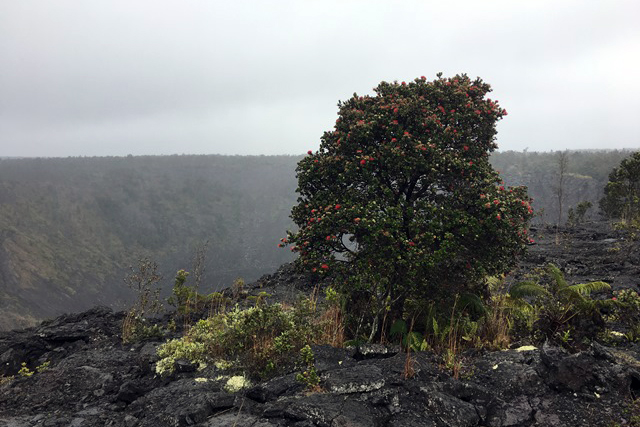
(72, 226)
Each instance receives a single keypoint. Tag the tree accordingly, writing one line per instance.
(576, 216)
(622, 193)
(144, 279)
(562, 161)
(400, 201)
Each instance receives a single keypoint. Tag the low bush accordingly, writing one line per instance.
(262, 340)
(625, 313)
(309, 375)
(137, 328)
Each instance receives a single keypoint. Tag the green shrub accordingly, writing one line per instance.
(182, 294)
(43, 367)
(25, 371)
(309, 375)
(137, 328)
(261, 340)
(626, 312)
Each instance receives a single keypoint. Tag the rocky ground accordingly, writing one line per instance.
(585, 253)
(95, 380)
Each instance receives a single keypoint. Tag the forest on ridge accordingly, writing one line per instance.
(71, 227)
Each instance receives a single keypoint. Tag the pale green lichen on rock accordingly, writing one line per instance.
(236, 383)
(25, 371)
(223, 365)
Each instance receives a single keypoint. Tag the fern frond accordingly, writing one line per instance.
(557, 276)
(587, 288)
(398, 328)
(473, 303)
(527, 289)
(494, 282)
(517, 303)
(413, 341)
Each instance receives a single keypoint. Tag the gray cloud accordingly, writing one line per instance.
(112, 77)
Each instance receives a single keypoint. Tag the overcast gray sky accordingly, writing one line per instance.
(111, 77)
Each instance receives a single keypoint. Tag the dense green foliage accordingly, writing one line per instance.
(400, 200)
(622, 193)
(262, 341)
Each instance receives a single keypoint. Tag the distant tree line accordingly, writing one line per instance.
(559, 181)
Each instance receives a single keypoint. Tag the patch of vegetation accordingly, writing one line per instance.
(625, 314)
(144, 280)
(262, 341)
(565, 314)
(622, 193)
(26, 372)
(449, 330)
(236, 383)
(137, 328)
(309, 375)
(6, 379)
(402, 212)
(577, 216)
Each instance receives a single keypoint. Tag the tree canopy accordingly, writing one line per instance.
(400, 199)
(622, 193)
